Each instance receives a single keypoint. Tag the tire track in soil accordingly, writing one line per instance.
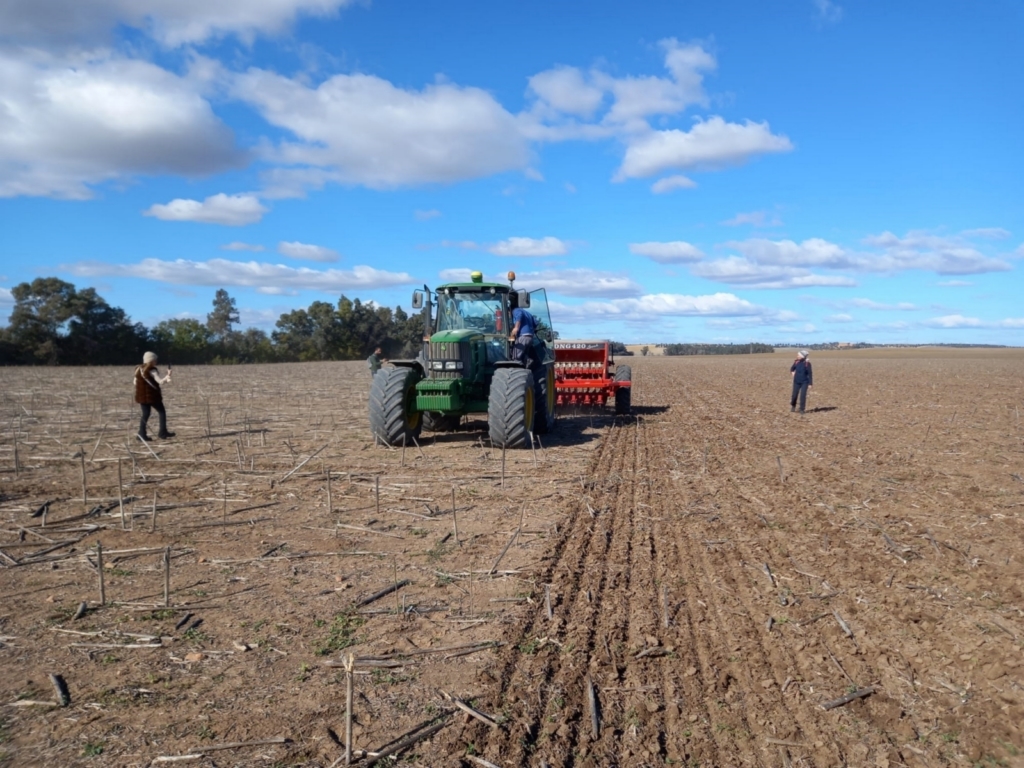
(543, 670)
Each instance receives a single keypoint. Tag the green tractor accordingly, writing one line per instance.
(468, 365)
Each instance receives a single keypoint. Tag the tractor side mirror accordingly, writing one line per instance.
(417, 299)
(524, 299)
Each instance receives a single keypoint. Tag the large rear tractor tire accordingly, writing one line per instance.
(511, 408)
(544, 398)
(623, 395)
(440, 422)
(394, 419)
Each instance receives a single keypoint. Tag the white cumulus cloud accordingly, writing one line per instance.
(271, 278)
(672, 183)
(172, 22)
(296, 250)
(67, 124)
(577, 283)
(651, 306)
(988, 233)
(900, 306)
(240, 246)
(672, 252)
(957, 322)
(954, 321)
(813, 252)
(566, 89)
(737, 270)
(710, 144)
(228, 210)
(361, 129)
(945, 255)
(529, 246)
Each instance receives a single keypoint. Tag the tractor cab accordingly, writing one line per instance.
(481, 313)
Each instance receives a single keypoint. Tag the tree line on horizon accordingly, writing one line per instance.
(54, 323)
(750, 348)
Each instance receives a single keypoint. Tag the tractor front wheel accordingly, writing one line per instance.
(623, 395)
(394, 419)
(511, 408)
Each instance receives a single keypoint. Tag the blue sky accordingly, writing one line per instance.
(778, 170)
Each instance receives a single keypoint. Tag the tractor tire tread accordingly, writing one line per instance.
(507, 419)
(387, 405)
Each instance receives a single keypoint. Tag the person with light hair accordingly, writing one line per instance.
(803, 379)
(148, 395)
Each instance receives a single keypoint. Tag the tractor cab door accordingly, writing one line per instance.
(541, 313)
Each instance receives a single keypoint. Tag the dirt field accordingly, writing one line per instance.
(716, 567)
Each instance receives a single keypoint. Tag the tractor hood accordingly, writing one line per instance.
(455, 336)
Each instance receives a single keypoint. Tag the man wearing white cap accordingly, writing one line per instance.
(803, 379)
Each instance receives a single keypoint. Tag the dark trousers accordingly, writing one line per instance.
(522, 351)
(146, 409)
(801, 390)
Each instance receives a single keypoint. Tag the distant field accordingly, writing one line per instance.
(716, 567)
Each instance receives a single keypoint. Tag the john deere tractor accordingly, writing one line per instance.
(468, 365)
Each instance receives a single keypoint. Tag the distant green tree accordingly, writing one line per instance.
(327, 328)
(41, 311)
(223, 317)
(406, 336)
(294, 336)
(364, 328)
(99, 334)
(717, 349)
(182, 341)
(254, 346)
(52, 323)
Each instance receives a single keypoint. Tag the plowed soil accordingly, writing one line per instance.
(691, 585)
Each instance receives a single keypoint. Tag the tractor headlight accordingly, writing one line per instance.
(453, 365)
(437, 365)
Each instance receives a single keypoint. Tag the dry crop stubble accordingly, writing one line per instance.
(700, 600)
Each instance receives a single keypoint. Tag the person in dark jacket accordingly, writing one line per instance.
(803, 379)
(148, 394)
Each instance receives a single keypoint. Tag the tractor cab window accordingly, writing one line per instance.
(541, 313)
(478, 310)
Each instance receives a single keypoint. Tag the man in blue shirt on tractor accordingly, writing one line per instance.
(524, 328)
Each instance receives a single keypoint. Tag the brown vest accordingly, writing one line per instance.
(147, 391)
